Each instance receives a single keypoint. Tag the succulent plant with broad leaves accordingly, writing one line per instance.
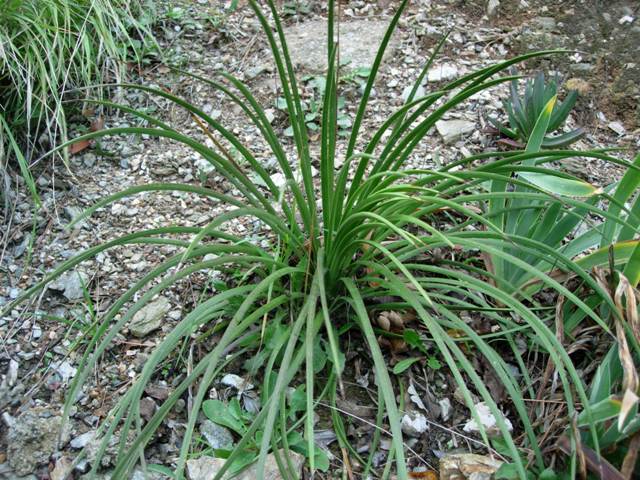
(524, 111)
(366, 236)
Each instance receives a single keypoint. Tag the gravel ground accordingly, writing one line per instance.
(38, 354)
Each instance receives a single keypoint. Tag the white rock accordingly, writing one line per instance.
(236, 381)
(415, 398)
(203, 468)
(414, 424)
(626, 19)
(488, 421)
(452, 130)
(492, 7)
(407, 91)
(270, 114)
(12, 373)
(445, 408)
(65, 370)
(617, 127)
(279, 180)
(440, 73)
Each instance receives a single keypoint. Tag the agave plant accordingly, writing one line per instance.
(523, 112)
(566, 225)
(366, 236)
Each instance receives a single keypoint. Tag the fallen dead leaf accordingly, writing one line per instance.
(78, 147)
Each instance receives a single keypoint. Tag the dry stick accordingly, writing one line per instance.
(560, 335)
(631, 458)
(597, 464)
(347, 463)
(224, 151)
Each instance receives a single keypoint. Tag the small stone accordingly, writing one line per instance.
(546, 24)
(452, 130)
(359, 41)
(139, 474)
(36, 331)
(147, 408)
(627, 19)
(65, 370)
(414, 424)
(617, 127)
(270, 114)
(70, 284)
(150, 317)
(467, 466)
(279, 180)
(420, 92)
(72, 213)
(440, 73)
(31, 440)
(236, 381)
(579, 85)
(492, 7)
(89, 160)
(12, 373)
(203, 468)
(488, 421)
(62, 469)
(81, 441)
(445, 408)
(253, 72)
(217, 436)
(206, 468)
(118, 209)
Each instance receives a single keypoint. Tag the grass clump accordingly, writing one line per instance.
(49, 47)
(367, 237)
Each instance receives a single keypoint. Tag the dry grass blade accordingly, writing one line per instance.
(629, 312)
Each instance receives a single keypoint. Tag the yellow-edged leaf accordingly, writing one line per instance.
(566, 187)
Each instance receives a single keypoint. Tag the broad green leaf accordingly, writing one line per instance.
(557, 185)
(403, 365)
(602, 411)
(622, 252)
(540, 129)
(221, 413)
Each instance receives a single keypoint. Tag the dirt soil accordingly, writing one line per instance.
(39, 353)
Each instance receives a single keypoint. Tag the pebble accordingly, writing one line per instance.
(463, 466)
(439, 73)
(452, 130)
(63, 468)
(70, 284)
(150, 317)
(82, 440)
(445, 408)
(488, 421)
(414, 424)
(617, 127)
(31, 439)
(65, 370)
(205, 468)
(492, 7)
(217, 436)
